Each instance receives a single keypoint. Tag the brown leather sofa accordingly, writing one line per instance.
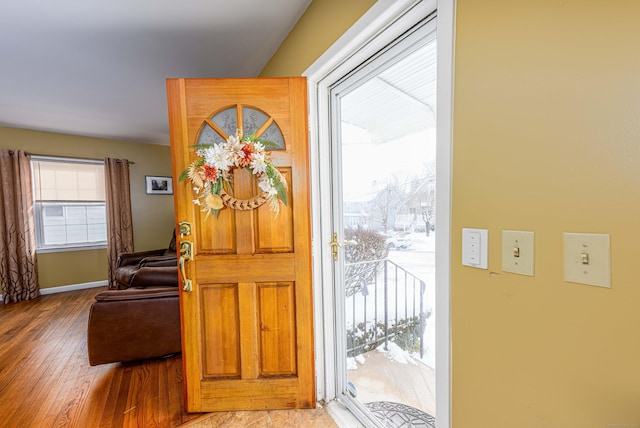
(129, 264)
(139, 322)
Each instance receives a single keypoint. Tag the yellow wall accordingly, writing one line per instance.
(153, 218)
(546, 138)
(318, 28)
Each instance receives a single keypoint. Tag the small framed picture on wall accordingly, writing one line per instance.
(157, 185)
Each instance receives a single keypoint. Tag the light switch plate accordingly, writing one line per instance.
(587, 259)
(475, 246)
(517, 252)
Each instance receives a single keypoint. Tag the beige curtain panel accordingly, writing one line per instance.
(18, 265)
(119, 220)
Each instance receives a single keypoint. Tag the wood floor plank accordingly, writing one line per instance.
(55, 396)
(46, 380)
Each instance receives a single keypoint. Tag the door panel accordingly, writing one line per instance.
(247, 325)
(221, 325)
(277, 329)
(274, 235)
(217, 240)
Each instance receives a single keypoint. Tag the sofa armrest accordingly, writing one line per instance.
(127, 325)
(130, 294)
(126, 259)
(151, 276)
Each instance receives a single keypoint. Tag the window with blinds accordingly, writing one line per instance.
(69, 203)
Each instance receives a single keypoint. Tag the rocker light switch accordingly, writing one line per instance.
(475, 244)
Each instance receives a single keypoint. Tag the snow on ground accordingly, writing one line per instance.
(395, 374)
(351, 362)
(396, 353)
(419, 260)
(422, 242)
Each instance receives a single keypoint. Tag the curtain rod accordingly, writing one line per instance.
(69, 157)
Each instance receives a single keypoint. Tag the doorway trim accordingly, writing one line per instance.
(385, 21)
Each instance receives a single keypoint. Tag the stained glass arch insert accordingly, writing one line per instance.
(217, 128)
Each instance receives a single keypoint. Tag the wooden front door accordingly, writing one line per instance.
(247, 323)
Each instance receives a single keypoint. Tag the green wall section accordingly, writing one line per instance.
(71, 267)
(153, 218)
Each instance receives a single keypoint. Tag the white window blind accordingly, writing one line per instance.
(69, 203)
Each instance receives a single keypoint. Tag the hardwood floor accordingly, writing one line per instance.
(46, 380)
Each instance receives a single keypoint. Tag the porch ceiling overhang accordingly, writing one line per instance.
(404, 94)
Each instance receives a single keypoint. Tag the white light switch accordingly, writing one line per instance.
(587, 259)
(475, 244)
(517, 252)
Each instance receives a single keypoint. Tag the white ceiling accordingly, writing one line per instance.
(98, 67)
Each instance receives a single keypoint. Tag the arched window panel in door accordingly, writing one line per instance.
(274, 135)
(226, 120)
(254, 122)
(209, 136)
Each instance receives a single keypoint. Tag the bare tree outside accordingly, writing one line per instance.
(423, 198)
(428, 209)
(389, 200)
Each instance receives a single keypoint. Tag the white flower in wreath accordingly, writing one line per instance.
(259, 164)
(266, 184)
(233, 146)
(218, 157)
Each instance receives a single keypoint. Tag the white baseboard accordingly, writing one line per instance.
(73, 287)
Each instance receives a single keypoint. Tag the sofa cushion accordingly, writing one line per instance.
(166, 276)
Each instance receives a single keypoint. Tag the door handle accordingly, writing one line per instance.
(186, 254)
(335, 245)
(186, 250)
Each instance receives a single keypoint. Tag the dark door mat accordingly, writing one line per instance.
(396, 415)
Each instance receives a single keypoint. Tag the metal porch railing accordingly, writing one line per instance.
(384, 302)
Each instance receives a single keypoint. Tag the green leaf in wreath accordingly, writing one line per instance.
(275, 175)
(282, 192)
(268, 144)
(202, 146)
(185, 174)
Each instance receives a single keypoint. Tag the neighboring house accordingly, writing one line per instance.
(356, 215)
(417, 213)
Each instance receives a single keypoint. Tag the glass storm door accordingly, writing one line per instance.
(383, 148)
